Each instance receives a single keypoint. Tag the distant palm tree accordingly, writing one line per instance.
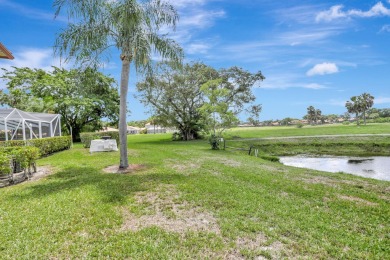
(366, 102)
(130, 26)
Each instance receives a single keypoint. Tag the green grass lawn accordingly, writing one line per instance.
(189, 202)
(282, 131)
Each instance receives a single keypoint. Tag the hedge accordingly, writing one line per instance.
(46, 146)
(86, 138)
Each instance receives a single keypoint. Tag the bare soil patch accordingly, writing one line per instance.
(359, 200)
(132, 168)
(319, 180)
(258, 244)
(169, 212)
(42, 171)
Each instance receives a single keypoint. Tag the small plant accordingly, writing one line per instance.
(299, 125)
(176, 136)
(215, 141)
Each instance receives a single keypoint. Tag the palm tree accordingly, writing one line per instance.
(311, 114)
(354, 106)
(366, 102)
(130, 26)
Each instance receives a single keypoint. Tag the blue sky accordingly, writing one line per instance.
(311, 52)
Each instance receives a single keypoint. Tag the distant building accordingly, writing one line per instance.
(133, 130)
(109, 129)
(155, 129)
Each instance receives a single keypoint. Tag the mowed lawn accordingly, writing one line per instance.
(185, 201)
(330, 129)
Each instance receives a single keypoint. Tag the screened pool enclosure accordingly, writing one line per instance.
(16, 124)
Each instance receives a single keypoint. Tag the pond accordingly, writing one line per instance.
(376, 167)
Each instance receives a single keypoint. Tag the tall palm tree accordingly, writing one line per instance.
(130, 26)
(366, 101)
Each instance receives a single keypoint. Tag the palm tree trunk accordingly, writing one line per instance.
(124, 163)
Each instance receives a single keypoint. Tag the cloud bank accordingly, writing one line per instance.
(336, 12)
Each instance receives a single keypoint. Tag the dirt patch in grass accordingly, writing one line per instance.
(271, 168)
(183, 166)
(42, 171)
(358, 200)
(132, 168)
(168, 211)
(257, 247)
(319, 180)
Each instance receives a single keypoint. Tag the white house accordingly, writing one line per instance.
(133, 130)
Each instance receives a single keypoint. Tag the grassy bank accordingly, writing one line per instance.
(282, 131)
(340, 145)
(326, 139)
(186, 201)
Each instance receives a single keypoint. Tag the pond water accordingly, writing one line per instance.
(376, 167)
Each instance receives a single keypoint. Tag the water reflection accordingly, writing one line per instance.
(372, 167)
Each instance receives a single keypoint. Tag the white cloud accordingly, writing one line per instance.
(322, 69)
(195, 16)
(385, 28)
(382, 100)
(197, 48)
(333, 13)
(185, 3)
(200, 19)
(314, 86)
(32, 58)
(336, 12)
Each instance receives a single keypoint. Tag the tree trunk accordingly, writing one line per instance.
(364, 117)
(357, 119)
(124, 163)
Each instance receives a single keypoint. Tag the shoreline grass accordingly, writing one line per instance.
(241, 207)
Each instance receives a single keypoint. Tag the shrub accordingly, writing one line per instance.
(86, 138)
(299, 125)
(176, 136)
(215, 142)
(144, 131)
(5, 164)
(46, 146)
(51, 145)
(22, 157)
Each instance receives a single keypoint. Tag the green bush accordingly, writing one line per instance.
(86, 138)
(5, 164)
(299, 125)
(22, 158)
(46, 146)
(51, 145)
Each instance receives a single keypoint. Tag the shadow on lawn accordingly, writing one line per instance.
(114, 188)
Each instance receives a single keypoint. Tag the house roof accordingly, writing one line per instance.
(4, 53)
(16, 114)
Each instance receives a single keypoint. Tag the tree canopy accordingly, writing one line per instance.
(359, 105)
(82, 97)
(197, 97)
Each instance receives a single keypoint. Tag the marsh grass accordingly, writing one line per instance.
(255, 208)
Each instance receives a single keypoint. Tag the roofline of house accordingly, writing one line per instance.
(8, 54)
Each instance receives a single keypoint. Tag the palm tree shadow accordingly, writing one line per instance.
(113, 188)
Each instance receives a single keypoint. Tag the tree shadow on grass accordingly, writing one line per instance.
(113, 188)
